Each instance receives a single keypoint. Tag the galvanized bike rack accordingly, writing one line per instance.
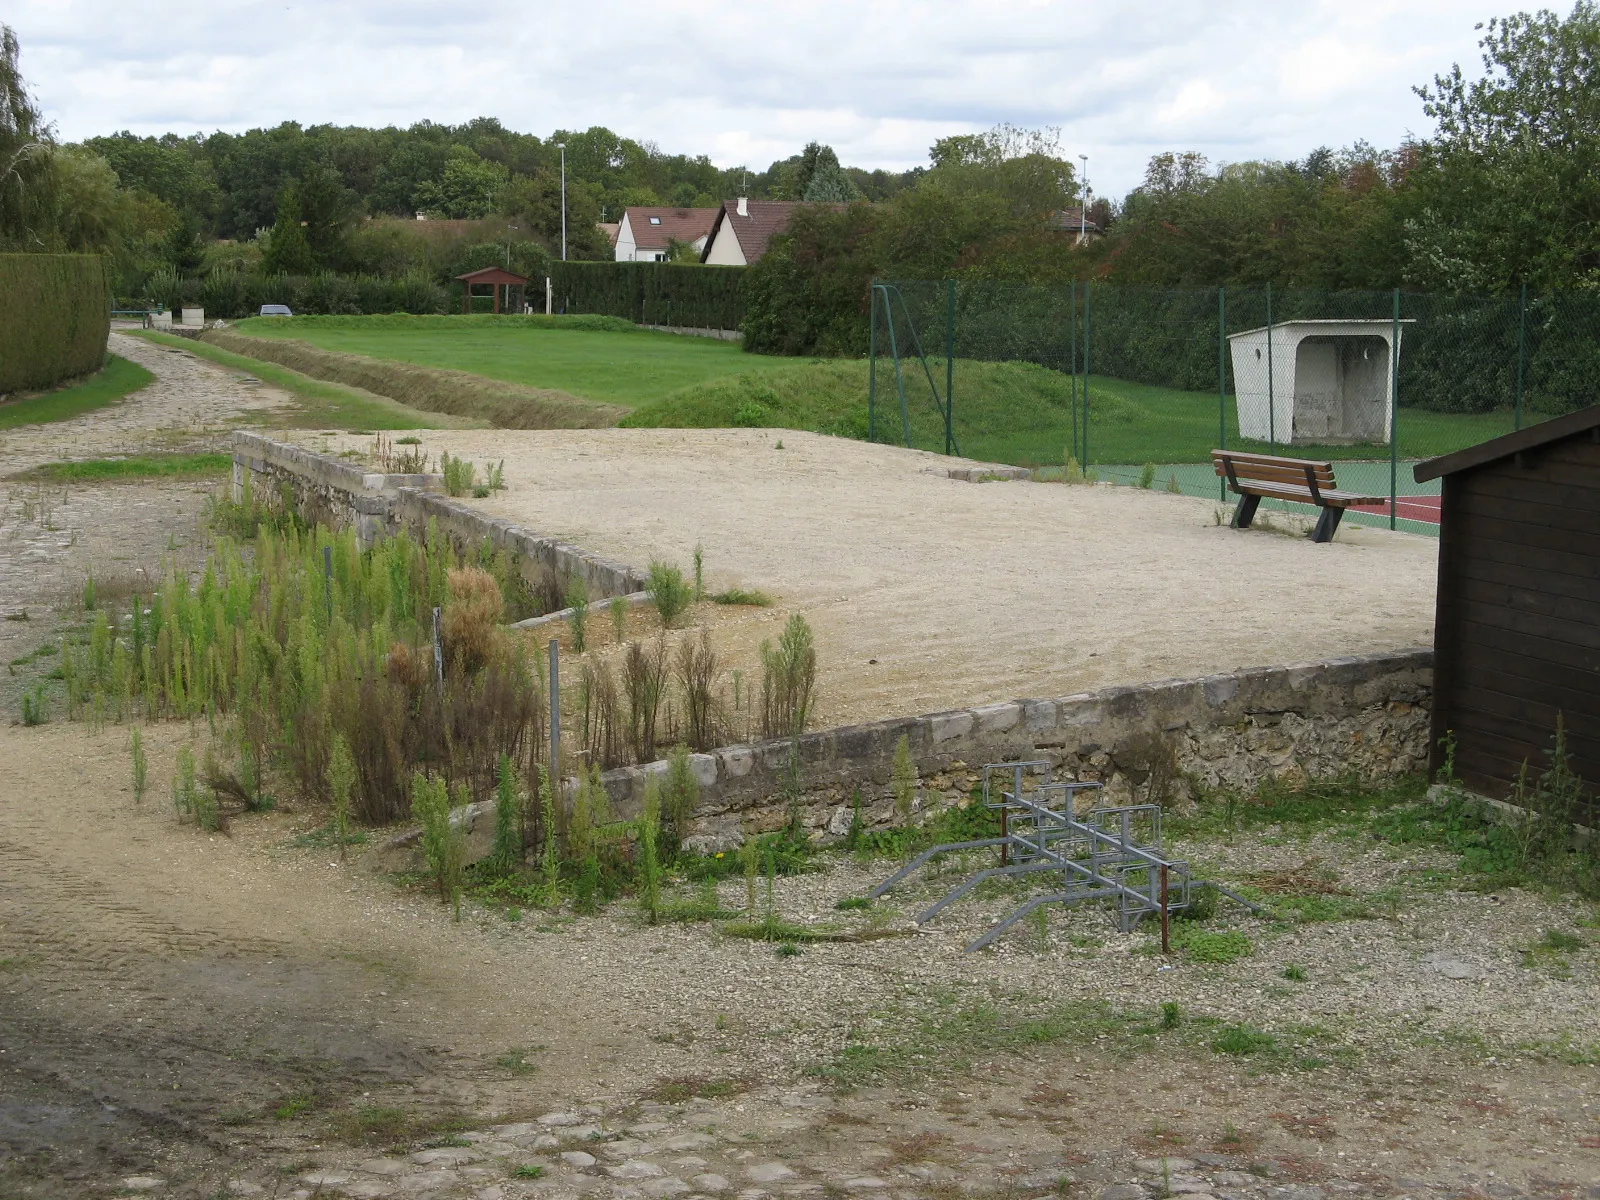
(1104, 853)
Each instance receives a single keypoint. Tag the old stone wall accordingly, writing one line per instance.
(1151, 742)
(323, 488)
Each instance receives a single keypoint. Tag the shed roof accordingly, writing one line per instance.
(653, 228)
(492, 275)
(1585, 420)
(767, 219)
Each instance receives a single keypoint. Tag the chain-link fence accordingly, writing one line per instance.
(1138, 386)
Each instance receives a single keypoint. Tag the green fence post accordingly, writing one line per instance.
(1222, 383)
(949, 366)
(1394, 411)
(872, 365)
(1272, 403)
(1072, 325)
(1088, 333)
(1522, 350)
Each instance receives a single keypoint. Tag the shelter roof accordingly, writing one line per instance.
(492, 275)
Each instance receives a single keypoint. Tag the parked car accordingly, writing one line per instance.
(276, 310)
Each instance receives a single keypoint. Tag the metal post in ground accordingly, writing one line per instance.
(1072, 325)
(438, 650)
(1166, 939)
(1088, 333)
(1272, 404)
(1394, 410)
(1222, 383)
(872, 367)
(949, 366)
(1522, 350)
(555, 714)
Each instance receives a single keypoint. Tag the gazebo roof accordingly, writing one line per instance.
(492, 275)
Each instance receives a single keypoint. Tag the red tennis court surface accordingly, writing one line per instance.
(1407, 508)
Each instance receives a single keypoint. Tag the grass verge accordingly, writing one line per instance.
(322, 405)
(117, 379)
(137, 466)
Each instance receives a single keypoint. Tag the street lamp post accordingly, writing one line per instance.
(562, 146)
(1083, 202)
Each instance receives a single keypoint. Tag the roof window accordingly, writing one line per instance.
(655, 220)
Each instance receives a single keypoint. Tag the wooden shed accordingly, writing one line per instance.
(1517, 631)
(503, 282)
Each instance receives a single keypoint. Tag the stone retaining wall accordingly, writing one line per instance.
(1157, 741)
(323, 488)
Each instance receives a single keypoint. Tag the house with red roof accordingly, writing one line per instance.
(744, 228)
(646, 234)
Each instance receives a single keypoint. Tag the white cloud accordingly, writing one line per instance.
(749, 82)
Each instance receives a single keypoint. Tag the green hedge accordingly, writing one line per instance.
(232, 295)
(55, 313)
(685, 296)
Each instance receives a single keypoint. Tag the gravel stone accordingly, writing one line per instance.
(143, 1183)
(689, 1141)
(446, 1156)
(427, 1181)
(665, 1187)
(1233, 1179)
(1123, 1191)
(768, 1172)
(1163, 1166)
(865, 1183)
(325, 1179)
(635, 1168)
(711, 1182)
(243, 1187)
(577, 1159)
(559, 1118)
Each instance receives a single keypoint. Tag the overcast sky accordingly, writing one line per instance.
(749, 81)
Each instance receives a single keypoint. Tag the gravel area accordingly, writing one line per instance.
(927, 593)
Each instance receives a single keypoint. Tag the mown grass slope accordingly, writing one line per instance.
(1014, 413)
(600, 359)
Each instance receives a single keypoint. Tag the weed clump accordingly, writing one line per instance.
(443, 842)
(1147, 476)
(578, 602)
(141, 765)
(740, 596)
(788, 677)
(903, 781)
(669, 591)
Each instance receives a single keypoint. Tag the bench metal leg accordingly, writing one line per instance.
(1245, 511)
(1327, 524)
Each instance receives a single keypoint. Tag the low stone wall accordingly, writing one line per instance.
(323, 488)
(1151, 742)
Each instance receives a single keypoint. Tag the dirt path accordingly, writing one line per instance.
(192, 405)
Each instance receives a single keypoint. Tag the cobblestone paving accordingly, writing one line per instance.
(192, 405)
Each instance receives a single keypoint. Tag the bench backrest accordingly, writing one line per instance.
(1271, 468)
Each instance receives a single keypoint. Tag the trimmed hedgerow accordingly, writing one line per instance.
(55, 313)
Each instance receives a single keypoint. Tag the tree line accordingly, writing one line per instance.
(1505, 193)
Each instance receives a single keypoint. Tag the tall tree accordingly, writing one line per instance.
(1508, 190)
(288, 249)
(25, 144)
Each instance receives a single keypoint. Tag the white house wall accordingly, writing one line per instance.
(725, 249)
(627, 246)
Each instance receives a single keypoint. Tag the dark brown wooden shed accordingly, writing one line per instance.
(1517, 630)
(498, 278)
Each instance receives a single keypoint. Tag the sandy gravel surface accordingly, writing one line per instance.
(963, 593)
(192, 405)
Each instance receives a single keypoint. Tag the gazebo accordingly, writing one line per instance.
(496, 278)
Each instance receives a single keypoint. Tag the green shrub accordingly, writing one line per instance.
(1147, 476)
(669, 591)
(55, 314)
(689, 297)
(903, 781)
(459, 474)
(443, 842)
(506, 855)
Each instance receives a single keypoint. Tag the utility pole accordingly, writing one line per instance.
(562, 146)
(1083, 203)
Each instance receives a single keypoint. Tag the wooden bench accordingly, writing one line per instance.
(1254, 476)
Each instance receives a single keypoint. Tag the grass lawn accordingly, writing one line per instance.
(137, 466)
(599, 359)
(117, 379)
(322, 405)
(1016, 413)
